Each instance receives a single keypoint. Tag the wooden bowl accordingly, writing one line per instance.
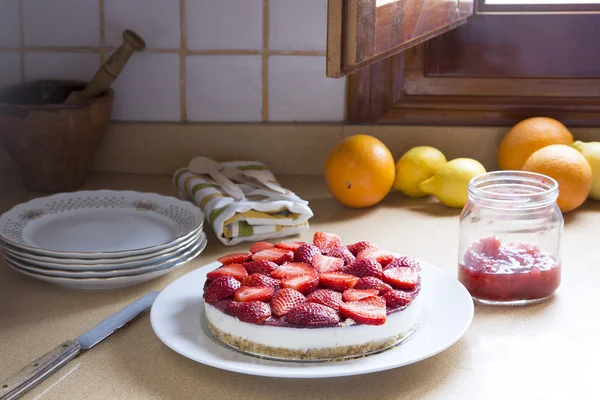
(52, 143)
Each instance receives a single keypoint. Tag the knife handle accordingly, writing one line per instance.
(15, 386)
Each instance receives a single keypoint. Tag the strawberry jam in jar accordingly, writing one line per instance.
(510, 234)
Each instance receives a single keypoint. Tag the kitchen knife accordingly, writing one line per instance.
(44, 366)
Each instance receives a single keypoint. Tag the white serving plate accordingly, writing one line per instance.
(183, 253)
(100, 224)
(177, 317)
(107, 283)
(90, 266)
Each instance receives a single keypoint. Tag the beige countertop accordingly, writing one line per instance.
(537, 352)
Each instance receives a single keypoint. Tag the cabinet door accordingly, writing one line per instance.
(360, 32)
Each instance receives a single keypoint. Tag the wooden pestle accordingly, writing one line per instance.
(109, 70)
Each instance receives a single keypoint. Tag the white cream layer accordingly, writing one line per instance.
(398, 323)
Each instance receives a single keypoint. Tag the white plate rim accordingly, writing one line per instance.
(251, 367)
(149, 196)
(50, 264)
(183, 252)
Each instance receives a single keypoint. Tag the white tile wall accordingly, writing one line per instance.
(298, 25)
(156, 21)
(224, 88)
(67, 66)
(224, 24)
(148, 89)
(10, 68)
(9, 23)
(300, 91)
(71, 23)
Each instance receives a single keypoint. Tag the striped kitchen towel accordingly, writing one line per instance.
(261, 215)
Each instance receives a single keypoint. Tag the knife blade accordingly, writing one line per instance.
(38, 370)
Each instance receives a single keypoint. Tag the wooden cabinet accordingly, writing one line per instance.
(361, 32)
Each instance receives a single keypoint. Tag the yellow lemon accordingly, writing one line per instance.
(591, 152)
(450, 183)
(415, 166)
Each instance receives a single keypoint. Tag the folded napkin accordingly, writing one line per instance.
(262, 214)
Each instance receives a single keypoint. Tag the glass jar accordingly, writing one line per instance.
(510, 236)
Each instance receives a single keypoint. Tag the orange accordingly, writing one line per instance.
(528, 136)
(360, 171)
(569, 168)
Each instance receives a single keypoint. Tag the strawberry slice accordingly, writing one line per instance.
(364, 267)
(232, 308)
(235, 270)
(260, 280)
(260, 246)
(302, 283)
(369, 311)
(254, 312)
(221, 288)
(312, 314)
(381, 256)
(293, 246)
(305, 253)
(404, 262)
(358, 294)
(398, 298)
(356, 248)
(278, 256)
(326, 264)
(327, 297)
(326, 241)
(405, 278)
(343, 253)
(337, 281)
(289, 270)
(370, 282)
(260, 267)
(284, 300)
(253, 293)
(235, 258)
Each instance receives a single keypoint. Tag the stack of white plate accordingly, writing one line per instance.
(101, 239)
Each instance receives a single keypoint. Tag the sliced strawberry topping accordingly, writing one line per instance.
(293, 246)
(221, 288)
(398, 298)
(235, 270)
(404, 262)
(369, 311)
(312, 314)
(337, 280)
(327, 297)
(343, 253)
(326, 264)
(405, 278)
(381, 256)
(356, 248)
(326, 241)
(254, 293)
(232, 308)
(302, 283)
(260, 280)
(284, 300)
(357, 294)
(235, 258)
(260, 267)
(289, 270)
(369, 282)
(364, 267)
(260, 246)
(278, 256)
(255, 312)
(305, 253)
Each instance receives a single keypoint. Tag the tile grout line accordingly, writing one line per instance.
(182, 62)
(21, 42)
(265, 62)
(102, 49)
